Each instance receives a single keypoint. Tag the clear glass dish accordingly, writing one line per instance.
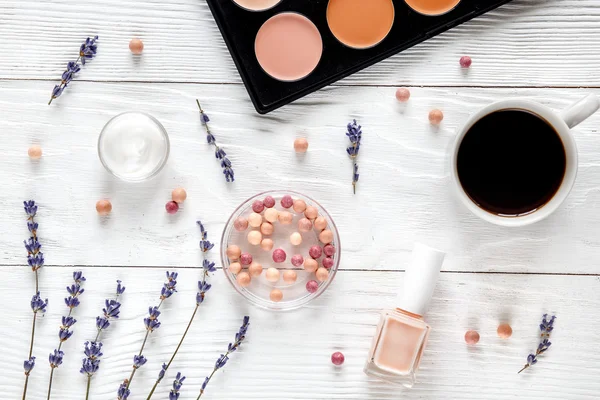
(295, 294)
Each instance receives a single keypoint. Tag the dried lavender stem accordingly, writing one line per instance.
(51, 368)
(87, 390)
(62, 84)
(25, 387)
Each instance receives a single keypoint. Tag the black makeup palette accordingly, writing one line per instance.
(291, 48)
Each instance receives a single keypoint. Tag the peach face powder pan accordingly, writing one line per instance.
(288, 46)
(257, 5)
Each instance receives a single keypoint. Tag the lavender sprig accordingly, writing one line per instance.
(151, 323)
(91, 363)
(203, 287)
(72, 301)
(222, 360)
(177, 383)
(35, 259)
(546, 327)
(87, 51)
(354, 133)
(219, 152)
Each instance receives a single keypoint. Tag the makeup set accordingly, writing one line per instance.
(286, 49)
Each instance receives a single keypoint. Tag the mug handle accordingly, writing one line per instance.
(581, 110)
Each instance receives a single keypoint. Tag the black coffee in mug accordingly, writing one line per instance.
(511, 162)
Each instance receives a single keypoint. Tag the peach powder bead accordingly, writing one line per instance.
(326, 236)
(290, 276)
(255, 269)
(267, 228)
(311, 265)
(255, 220)
(471, 337)
(243, 279)
(276, 295)
(178, 195)
(300, 145)
(35, 152)
(322, 274)
(305, 225)
(402, 95)
(296, 239)
(235, 268)
(320, 223)
(240, 224)
(504, 331)
(436, 117)
(266, 245)
(272, 274)
(136, 46)
(311, 212)
(299, 206)
(271, 215)
(103, 207)
(254, 238)
(233, 252)
(285, 217)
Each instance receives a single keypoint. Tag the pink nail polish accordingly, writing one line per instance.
(402, 333)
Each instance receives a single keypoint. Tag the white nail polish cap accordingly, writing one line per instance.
(420, 279)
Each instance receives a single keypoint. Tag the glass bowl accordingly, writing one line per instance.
(259, 290)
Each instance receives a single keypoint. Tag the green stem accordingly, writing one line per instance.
(87, 390)
(25, 387)
(524, 368)
(50, 384)
(30, 352)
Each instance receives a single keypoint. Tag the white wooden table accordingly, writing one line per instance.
(547, 50)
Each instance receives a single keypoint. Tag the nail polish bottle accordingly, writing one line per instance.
(402, 333)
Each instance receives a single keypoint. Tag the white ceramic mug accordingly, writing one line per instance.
(562, 124)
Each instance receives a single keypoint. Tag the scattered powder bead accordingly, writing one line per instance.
(327, 262)
(243, 279)
(35, 152)
(255, 269)
(267, 228)
(311, 265)
(267, 244)
(290, 276)
(276, 295)
(279, 255)
(255, 220)
(465, 61)
(287, 201)
(269, 202)
(296, 239)
(246, 258)
(171, 207)
(472, 337)
(312, 286)
(299, 206)
(329, 250)
(178, 195)
(311, 212)
(305, 225)
(240, 224)
(402, 95)
(326, 236)
(272, 274)
(233, 252)
(235, 268)
(103, 207)
(320, 223)
(504, 331)
(315, 251)
(254, 238)
(300, 145)
(337, 358)
(271, 215)
(436, 116)
(136, 46)
(258, 206)
(322, 274)
(297, 260)
(285, 217)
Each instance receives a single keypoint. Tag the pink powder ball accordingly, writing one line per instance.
(279, 255)
(299, 206)
(103, 207)
(287, 201)
(337, 358)
(171, 207)
(305, 225)
(35, 152)
(402, 95)
(136, 46)
(240, 224)
(436, 117)
(329, 250)
(246, 258)
(258, 206)
(472, 337)
(328, 262)
(315, 252)
(269, 202)
(465, 61)
(300, 145)
(312, 286)
(178, 195)
(297, 260)
(311, 265)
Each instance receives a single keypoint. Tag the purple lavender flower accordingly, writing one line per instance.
(177, 383)
(93, 350)
(56, 358)
(78, 277)
(138, 361)
(162, 372)
(86, 51)
(120, 288)
(64, 334)
(205, 245)
(28, 365)
(123, 392)
(68, 322)
(37, 304)
(219, 152)
(546, 327)
(112, 309)
(72, 302)
(102, 323)
(30, 208)
(354, 134)
(89, 367)
(151, 322)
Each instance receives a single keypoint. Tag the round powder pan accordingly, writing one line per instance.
(432, 8)
(257, 5)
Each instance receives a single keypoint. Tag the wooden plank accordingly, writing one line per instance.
(287, 355)
(525, 43)
(403, 195)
